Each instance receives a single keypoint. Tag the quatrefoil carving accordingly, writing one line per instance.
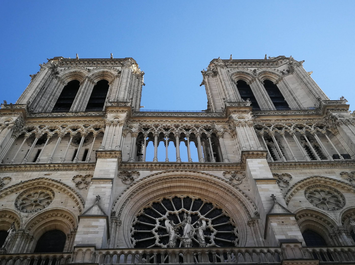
(4, 181)
(128, 177)
(82, 182)
(283, 180)
(236, 177)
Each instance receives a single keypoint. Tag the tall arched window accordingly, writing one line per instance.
(98, 96)
(313, 239)
(276, 97)
(67, 97)
(51, 241)
(246, 93)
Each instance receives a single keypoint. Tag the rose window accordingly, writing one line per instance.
(34, 200)
(325, 198)
(183, 222)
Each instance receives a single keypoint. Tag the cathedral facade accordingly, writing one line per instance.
(265, 174)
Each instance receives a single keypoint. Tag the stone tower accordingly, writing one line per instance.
(264, 174)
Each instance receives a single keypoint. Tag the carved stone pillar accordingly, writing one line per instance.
(66, 150)
(188, 148)
(177, 141)
(31, 148)
(199, 149)
(155, 159)
(133, 152)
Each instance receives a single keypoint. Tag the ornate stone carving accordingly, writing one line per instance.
(183, 222)
(283, 180)
(349, 176)
(34, 199)
(234, 176)
(82, 182)
(325, 198)
(128, 177)
(4, 181)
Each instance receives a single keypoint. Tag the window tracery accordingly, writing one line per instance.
(325, 198)
(34, 200)
(183, 221)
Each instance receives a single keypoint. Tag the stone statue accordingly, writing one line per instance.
(188, 232)
(201, 226)
(10, 234)
(171, 228)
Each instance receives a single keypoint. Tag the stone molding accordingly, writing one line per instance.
(314, 180)
(48, 167)
(131, 191)
(109, 154)
(48, 183)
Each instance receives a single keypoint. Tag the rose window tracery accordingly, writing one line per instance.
(183, 222)
(325, 198)
(34, 200)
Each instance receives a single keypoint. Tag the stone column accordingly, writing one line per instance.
(223, 146)
(31, 148)
(133, 153)
(322, 146)
(19, 149)
(336, 150)
(211, 149)
(261, 95)
(55, 148)
(155, 159)
(166, 148)
(144, 147)
(277, 146)
(199, 149)
(310, 145)
(288, 146)
(45, 144)
(188, 148)
(88, 158)
(66, 150)
(300, 147)
(82, 97)
(76, 158)
(177, 141)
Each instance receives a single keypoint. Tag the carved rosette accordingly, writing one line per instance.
(34, 199)
(325, 198)
(236, 177)
(128, 177)
(349, 176)
(4, 181)
(283, 180)
(82, 182)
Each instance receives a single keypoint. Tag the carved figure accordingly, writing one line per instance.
(201, 226)
(352, 224)
(11, 232)
(188, 232)
(171, 228)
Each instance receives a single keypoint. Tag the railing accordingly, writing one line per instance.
(36, 259)
(179, 256)
(247, 255)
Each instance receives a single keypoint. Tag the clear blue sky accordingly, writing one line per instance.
(172, 41)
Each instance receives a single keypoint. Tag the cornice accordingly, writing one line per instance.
(100, 114)
(47, 167)
(312, 165)
(109, 154)
(179, 166)
(92, 61)
(178, 114)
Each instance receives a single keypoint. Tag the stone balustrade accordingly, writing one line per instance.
(248, 255)
(36, 259)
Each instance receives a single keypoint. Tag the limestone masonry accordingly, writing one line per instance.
(266, 174)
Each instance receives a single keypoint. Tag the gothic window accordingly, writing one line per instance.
(67, 97)
(3, 235)
(183, 222)
(98, 96)
(246, 93)
(275, 95)
(51, 241)
(313, 239)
